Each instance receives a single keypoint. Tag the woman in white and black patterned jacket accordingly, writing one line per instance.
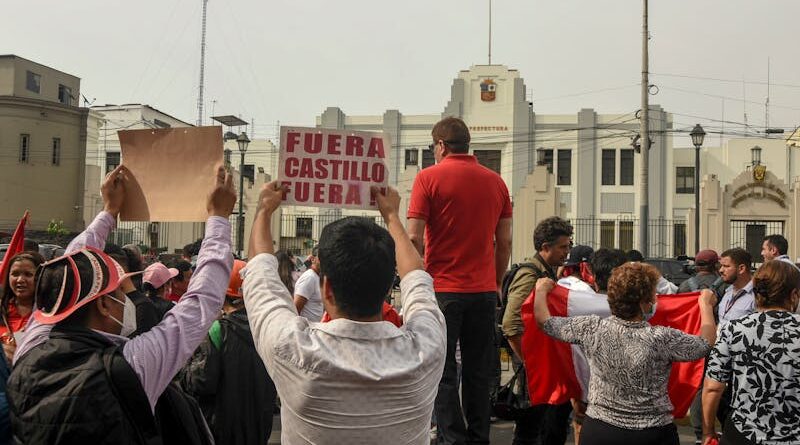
(630, 360)
(759, 355)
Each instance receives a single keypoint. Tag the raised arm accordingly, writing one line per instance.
(95, 235)
(113, 192)
(408, 257)
(157, 355)
(270, 307)
(260, 235)
(540, 309)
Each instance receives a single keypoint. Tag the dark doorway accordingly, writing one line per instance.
(750, 234)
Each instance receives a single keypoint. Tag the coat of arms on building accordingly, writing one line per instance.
(759, 173)
(488, 89)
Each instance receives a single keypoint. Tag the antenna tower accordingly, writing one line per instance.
(202, 66)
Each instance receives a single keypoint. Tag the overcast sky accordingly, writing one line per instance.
(287, 60)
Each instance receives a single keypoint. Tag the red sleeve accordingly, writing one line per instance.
(419, 203)
(391, 315)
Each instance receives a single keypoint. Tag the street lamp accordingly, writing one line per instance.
(242, 140)
(697, 135)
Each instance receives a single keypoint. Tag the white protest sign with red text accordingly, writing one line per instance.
(332, 168)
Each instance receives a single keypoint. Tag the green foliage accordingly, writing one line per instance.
(56, 228)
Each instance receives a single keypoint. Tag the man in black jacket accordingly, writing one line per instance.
(229, 379)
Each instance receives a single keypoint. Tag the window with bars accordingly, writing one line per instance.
(679, 239)
(609, 167)
(489, 159)
(427, 159)
(303, 227)
(607, 234)
(545, 157)
(412, 157)
(684, 180)
(56, 155)
(626, 235)
(564, 176)
(626, 167)
(24, 148)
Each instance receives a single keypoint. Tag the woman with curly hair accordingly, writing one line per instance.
(759, 355)
(17, 300)
(630, 360)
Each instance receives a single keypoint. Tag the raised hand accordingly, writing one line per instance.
(113, 189)
(388, 201)
(223, 196)
(271, 196)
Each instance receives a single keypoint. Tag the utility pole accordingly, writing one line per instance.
(490, 32)
(644, 129)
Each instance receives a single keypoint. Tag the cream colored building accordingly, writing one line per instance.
(590, 155)
(44, 135)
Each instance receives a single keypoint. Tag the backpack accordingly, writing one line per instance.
(502, 302)
(177, 417)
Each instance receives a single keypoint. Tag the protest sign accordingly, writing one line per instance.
(172, 172)
(332, 168)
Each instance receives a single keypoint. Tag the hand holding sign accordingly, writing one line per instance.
(388, 201)
(223, 196)
(332, 168)
(113, 190)
(271, 197)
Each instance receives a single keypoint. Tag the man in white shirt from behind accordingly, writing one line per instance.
(356, 379)
(307, 296)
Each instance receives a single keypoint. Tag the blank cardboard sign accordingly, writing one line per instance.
(173, 170)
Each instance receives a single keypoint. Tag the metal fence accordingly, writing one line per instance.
(299, 232)
(151, 237)
(666, 237)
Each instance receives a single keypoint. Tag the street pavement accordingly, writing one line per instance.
(502, 432)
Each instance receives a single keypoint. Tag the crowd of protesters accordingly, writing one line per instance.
(101, 348)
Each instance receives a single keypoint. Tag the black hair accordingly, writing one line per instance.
(634, 255)
(358, 258)
(603, 262)
(285, 269)
(549, 230)
(134, 260)
(118, 254)
(192, 249)
(779, 242)
(182, 266)
(30, 245)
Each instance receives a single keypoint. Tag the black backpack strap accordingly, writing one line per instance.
(128, 390)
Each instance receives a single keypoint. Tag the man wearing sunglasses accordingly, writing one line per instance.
(464, 212)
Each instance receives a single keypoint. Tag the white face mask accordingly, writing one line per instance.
(128, 322)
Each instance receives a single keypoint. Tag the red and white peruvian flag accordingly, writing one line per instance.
(553, 367)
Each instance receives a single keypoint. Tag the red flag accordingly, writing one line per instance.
(549, 363)
(14, 247)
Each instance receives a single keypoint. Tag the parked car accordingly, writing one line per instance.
(674, 270)
(48, 251)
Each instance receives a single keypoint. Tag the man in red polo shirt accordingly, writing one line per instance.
(464, 211)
